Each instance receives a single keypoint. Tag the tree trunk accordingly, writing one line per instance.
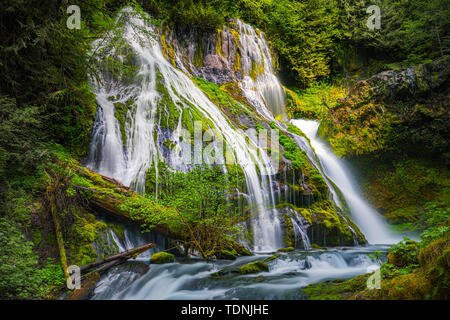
(59, 237)
(115, 258)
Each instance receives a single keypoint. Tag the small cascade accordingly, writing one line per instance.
(118, 237)
(365, 217)
(259, 83)
(300, 226)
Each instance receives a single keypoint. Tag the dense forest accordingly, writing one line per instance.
(381, 96)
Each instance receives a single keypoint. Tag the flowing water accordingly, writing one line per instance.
(259, 85)
(367, 219)
(195, 280)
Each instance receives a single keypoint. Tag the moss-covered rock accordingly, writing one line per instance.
(401, 277)
(227, 254)
(288, 249)
(162, 257)
(316, 246)
(272, 258)
(253, 267)
(335, 289)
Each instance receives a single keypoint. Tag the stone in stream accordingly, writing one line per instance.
(162, 257)
(249, 268)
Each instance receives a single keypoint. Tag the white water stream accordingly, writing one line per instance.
(365, 217)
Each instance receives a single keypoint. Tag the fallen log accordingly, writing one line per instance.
(116, 259)
(109, 194)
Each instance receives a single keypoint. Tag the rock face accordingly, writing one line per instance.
(237, 53)
(415, 98)
(211, 56)
(411, 82)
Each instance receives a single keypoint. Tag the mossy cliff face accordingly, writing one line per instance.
(325, 226)
(394, 128)
(406, 110)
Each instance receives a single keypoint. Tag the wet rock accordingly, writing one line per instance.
(253, 267)
(162, 257)
(269, 259)
(288, 249)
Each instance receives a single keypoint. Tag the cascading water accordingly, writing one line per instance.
(128, 161)
(367, 219)
(259, 84)
(196, 281)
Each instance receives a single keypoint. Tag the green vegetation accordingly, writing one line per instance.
(314, 101)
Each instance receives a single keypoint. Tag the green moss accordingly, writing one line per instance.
(288, 249)
(254, 267)
(118, 230)
(336, 289)
(227, 254)
(85, 230)
(162, 257)
(313, 102)
(198, 55)
(221, 97)
(167, 110)
(257, 69)
(272, 258)
(289, 231)
(407, 191)
(240, 249)
(237, 61)
(301, 164)
(120, 112)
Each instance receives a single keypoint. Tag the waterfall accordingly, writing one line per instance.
(300, 226)
(128, 161)
(259, 84)
(365, 217)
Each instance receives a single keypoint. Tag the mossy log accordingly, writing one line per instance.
(116, 259)
(109, 195)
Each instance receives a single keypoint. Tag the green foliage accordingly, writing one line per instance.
(200, 193)
(194, 206)
(202, 14)
(51, 276)
(19, 138)
(376, 255)
(411, 30)
(18, 262)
